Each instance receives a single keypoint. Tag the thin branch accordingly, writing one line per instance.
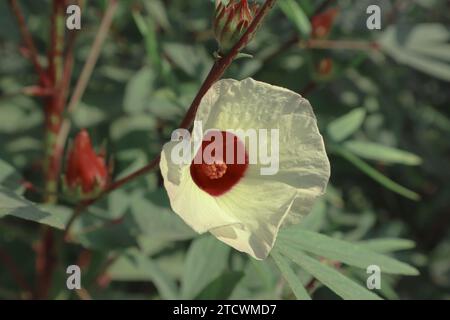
(295, 38)
(28, 40)
(339, 44)
(87, 70)
(216, 72)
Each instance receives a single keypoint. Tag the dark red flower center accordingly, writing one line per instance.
(220, 162)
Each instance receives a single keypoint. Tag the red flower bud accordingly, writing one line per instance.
(322, 23)
(324, 67)
(231, 21)
(86, 171)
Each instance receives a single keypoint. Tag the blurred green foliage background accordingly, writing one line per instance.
(383, 111)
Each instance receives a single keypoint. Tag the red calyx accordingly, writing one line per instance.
(325, 66)
(322, 23)
(84, 167)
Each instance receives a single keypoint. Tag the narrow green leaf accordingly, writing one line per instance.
(289, 275)
(343, 251)
(222, 287)
(375, 175)
(387, 245)
(374, 151)
(133, 266)
(157, 10)
(295, 13)
(434, 63)
(330, 277)
(346, 125)
(148, 31)
(205, 261)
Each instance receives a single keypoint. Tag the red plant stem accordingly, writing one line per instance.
(55, 104)
(216, 72)
(28, 40)
(45, 263)
(14, 270)
(46, 257)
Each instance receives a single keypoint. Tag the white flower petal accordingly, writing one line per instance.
(197, 208)
(248, 216)
(251, 104)
(261, 207)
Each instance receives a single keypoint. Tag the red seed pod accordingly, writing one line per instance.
(231, 21)
(322, 23)
(86, 172)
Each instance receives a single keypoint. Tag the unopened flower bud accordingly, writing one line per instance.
(324, 69)
(231, 22)
(323, 22)
(86, 172)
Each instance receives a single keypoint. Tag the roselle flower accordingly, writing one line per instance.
(231, 190)
(231, 21)
(86, 172)
(323, 22)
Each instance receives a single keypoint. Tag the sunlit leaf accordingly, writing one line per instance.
(295, 13)
(346, 125)
(375, 175)
(339, 250)
(330, 277)
(374, 151)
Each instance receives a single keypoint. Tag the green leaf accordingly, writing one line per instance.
(157, 10)
(14, 205)
(424, 48)
(9, 177)
(129, 124)
(316, 218)
(133, 266)
(88, 116)
(387, 245)
(346, 125)
(374, 151)
(375, 175)
(147, 29)
(330, 277)
(14, 110)
(155, 219)
(194, 61)
(295, 13)
(206, 260)
(222, 287)
(346, 252)
(138, 91)
(289, 275)
(105, 234)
